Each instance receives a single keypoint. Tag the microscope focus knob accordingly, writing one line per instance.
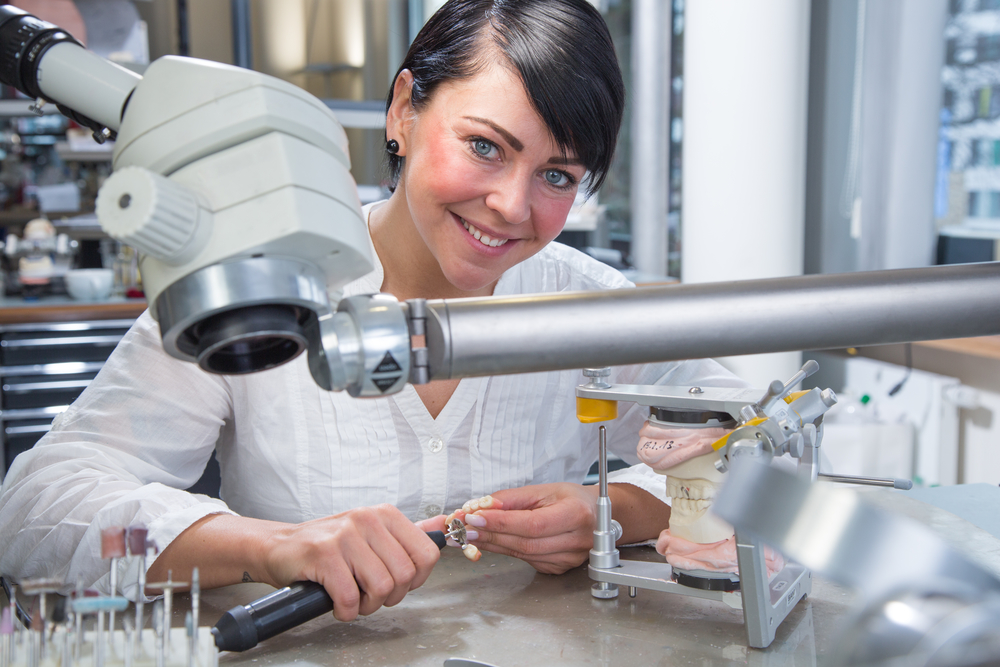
(155, 215)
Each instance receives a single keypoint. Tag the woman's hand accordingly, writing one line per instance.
(550, 526)
(366, 558)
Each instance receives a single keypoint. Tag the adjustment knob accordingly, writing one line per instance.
(153, 214)
(597, 376)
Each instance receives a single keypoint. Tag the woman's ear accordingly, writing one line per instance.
(399, 118)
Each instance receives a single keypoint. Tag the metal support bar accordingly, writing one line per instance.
(542, 332)
(766, 603)
(242, 31)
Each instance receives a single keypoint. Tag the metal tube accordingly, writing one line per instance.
(888, 482)
(242, 31)
(602, 459)
(86, 83)
(651, 35)
(531, 333)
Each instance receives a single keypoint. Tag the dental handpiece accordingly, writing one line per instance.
(244, 626)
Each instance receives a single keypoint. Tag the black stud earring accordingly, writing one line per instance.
(392, 146)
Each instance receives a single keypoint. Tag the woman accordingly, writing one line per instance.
(499, 113)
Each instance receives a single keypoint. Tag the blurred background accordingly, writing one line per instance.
(761, 139)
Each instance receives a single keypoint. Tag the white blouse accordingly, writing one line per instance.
(289, 451)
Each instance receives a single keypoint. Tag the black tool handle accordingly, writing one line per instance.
(243, 627)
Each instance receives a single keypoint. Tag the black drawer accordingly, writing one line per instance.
(50, 348)
(39, 391)
(20, 435)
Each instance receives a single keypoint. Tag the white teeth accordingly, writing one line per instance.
(481, 237)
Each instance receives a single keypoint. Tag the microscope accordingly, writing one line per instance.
(235, 189)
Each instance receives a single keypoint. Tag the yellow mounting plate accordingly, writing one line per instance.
(591, 410)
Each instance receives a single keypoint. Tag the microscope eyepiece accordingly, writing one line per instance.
(247, 339)
(24, 39)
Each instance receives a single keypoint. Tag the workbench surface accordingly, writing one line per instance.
(15, 310)
(501, 612)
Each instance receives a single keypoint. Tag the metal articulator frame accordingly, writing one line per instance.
(765, 603)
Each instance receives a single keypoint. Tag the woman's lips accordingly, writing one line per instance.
(482, 236)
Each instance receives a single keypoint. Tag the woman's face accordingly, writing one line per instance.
(485, 183)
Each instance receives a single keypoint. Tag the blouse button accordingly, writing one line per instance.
(432, 511)
(435, 445)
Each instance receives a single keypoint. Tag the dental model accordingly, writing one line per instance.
(673, 446)
(455, 523)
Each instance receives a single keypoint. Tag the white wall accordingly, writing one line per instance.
(745, 104)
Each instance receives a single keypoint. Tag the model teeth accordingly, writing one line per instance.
(483, 238)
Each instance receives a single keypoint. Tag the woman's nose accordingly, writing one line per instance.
(511, 198)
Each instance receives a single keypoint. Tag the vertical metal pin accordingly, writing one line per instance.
(129, 638)
(113, 547)
(137, 547)
(99, 641)
(35, 637)
(189, 627)
(168, 597)
(158, 631)
(78, 618)
(6, 638)
(195, 605)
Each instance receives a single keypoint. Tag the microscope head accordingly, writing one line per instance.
(234, 187)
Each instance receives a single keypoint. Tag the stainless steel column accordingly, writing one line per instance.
(528, 333)
(650, 119)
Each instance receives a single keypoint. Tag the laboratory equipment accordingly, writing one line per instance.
(234, 186)
(38, 257)
(77, 632)
(764, 427)
(919, 601)
(244, 626)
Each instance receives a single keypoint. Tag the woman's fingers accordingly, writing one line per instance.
(366, 558)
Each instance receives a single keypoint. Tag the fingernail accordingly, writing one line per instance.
(452, 543)
(475, 520)
(471, 534)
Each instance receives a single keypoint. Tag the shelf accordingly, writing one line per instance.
(369, 115)
(13, 108)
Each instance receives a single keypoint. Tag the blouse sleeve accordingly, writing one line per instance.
(118, 456)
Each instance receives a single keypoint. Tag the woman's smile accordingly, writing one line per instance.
(484, 240)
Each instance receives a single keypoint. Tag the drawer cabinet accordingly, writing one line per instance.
(43, 368)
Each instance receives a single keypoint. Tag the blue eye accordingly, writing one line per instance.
(557, 178)
(482, 147)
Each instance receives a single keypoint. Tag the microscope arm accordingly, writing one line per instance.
(523, 334)
(226, 145)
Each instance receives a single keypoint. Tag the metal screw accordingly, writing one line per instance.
(696, 390)
(125, 200)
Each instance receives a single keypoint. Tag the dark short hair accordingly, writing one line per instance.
(560, 48)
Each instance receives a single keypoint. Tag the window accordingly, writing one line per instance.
(988, 47)
(994, 205)
(951, 48)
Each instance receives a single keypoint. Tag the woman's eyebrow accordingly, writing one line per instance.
(514, 142)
